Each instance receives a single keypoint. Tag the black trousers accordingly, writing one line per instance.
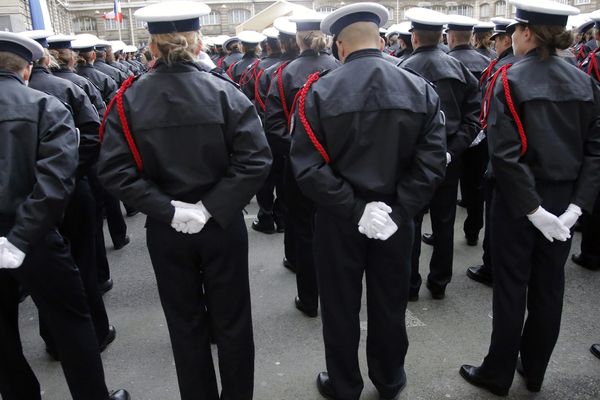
(54, 282)
(271, 207)
(98, 192)
(442, 210)
(208, 270)
(474, 164)
(342, 257)
(488, 191)
(528, 275)
(590, 236)
(79, 228)
(299, 227)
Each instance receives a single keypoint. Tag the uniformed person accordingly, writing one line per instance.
(591, 64)
(459, 93)
(129, 53)
(270, 197)
(367, 184)
(234, 52)
(220, 52)
(503, 47)
(101, 63)
(111, 60)
(474, 159)
(196, 233)
(273, 56)
(404, 39)
(250, 43)
(281, 102)
(84, 45)
(587, 42)
(544, 140)
(589, 257)
(79, 221)
(39, 147)
(481, 39)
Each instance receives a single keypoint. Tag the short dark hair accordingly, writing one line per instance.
(12, 62)
(428, 38)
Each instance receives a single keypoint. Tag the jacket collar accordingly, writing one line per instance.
(423, 49)
(363, 53)
(4, 75)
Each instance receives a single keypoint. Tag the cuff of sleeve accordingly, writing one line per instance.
(359, 209)
(20, 243)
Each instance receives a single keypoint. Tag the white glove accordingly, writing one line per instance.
(189, 218)
(10, 256)
(448, 159)
(376, 222)
(569, 217)
(549, 224)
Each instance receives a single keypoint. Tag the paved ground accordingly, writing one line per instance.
(289, 350)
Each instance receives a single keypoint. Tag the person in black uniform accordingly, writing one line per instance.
(482, 42)
(39, 144)
(196, 234)
(102, 49)
(404, 39)
(112, 61)
(459, 93)
(474, 159)
(544, 142)
(273, 56)
(234, 53)
(503, 46)
(272, 207)
(84, 46)
(367, 185)
(79, 221)
(281, 101)
(589, 257)
(250, 43)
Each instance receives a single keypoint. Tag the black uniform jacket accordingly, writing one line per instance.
(249, 86)
(491, 54)
(403, 54)
(120, 67)
(88, 87)
(293, 78)
(107, 86)
(560, 111)
(240, 66)
(38, 155)
(199, 138)
(459, 93)
(231, 59)
(264, 82)
(471, 58)
(382, 146)
(129, 66)
(84, 113)
(116, 74)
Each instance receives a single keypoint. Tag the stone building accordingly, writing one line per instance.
(87, 16)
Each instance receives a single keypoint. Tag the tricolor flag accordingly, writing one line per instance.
(116, 13)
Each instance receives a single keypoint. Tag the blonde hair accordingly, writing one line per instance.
(313, 40)
(64, 58)
(481, 40)
(84, 58)
(177, 46)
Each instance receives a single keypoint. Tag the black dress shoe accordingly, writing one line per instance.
(427, 238)
(472, 241)
(324, 386)
(413, 294)
(531, 386)
(120, 394)
(471, 374)
(481, 274)
(132, 213)
(280, 225)
(263, 226)
(583, 261)
(119, 245)
(288, 265)
(110, 337)
(396, 395)
(300, 306)
(437, 292)
(595, 349)
(106, 286)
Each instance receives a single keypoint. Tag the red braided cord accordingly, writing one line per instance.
(302, 114)
(513, 111)
(292, 109)
(230, 69)
(485, 106)
(257, 97)
(244, 78)
(220, 61)
(278, 75)
(488, 72)
(593, 67)
(581, 54)
(124, 86)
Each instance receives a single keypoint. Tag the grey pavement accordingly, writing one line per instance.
(289, 349)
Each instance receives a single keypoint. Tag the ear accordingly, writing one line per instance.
(381, 44)
(198, 48)
(26, 72)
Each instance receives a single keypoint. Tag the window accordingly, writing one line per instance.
(84, 24)
(238, 15)
(580, 2)
(484, 11)
(138, 24)
(391, 11)
(112, 25)
(214, 18)
(326, 9)
(441, 9)
(501, 8)
(461, 10)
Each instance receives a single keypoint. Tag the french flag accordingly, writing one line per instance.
(116, 13)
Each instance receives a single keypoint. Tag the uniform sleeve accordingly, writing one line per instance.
(119, 175)
(87, 121)
(275, 121)
(315, 177)
(428, 168)
(110, 88)
(514, 178)
(96, 99)
(469, 125)
(588, 183)
(55, 176)
(249, 160)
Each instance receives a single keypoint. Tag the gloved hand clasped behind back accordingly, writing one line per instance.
(10, 256)
(550, 225)
(189, 218)
(376, 222)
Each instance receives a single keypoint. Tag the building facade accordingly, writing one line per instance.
(87, 16)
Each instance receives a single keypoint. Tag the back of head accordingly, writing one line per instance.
(12, 62)
(176, 47)
(426, 38)
(64, 58)
(311, 40)
(481, 40)
(462, 37)
(360, 35)
(551, 38)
